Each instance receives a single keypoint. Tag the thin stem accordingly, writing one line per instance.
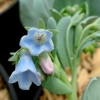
(67, 45)
(63, 75)
(73, 95)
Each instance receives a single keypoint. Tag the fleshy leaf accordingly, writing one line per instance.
(41, 24)
(51, 23)
(56, 86)
(61, 40)
(88, 19)
(57, 71)
(32, 10)
(56, 15)
(85, 44)
(27, 28)
(51, 26)
(71, 38)
(92, 91)
(78, 30)
(55, 32)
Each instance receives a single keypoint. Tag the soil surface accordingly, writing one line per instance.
(4, 4)
(4, 93)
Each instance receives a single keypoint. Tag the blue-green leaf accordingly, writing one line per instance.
(51, 26)
(71, 38)
(61, 40)
(92, 91)
(27, 28)
(55, 32)
(78, 31)
(41, 24)
(51, 23)
(32, 10)
(86, 44)
(57, 70)
(56, 15)
(56, 86)
(60, 4)
(88, 19)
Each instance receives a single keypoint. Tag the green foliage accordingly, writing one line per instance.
(55, 85)
(61, 40)
(69, 11)
(32, 10)
(93, 5)
(51, 26)
(15, 56)
(51, 23)
(92, 91)
(41, 24)
(27, 28)
(78, 30)
(56, 15)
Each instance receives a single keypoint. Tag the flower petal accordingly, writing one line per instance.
(35, 78)
(25, 63)
(26, 42)
(31, 32)
(24, 81)
(48, 46)
(36, 49)
(13, 78)
(25, 72)
(31, 40)
(48, 34)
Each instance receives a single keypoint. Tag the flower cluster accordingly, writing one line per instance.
(36, 42)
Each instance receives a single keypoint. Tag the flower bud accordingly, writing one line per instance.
(69, 10)
(95, 44)
(86, 50)
(91, 49)
(46, 65)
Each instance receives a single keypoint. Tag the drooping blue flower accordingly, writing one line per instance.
(25, 72)
(37, 41)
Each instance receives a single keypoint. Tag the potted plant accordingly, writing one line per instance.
(53, 41)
